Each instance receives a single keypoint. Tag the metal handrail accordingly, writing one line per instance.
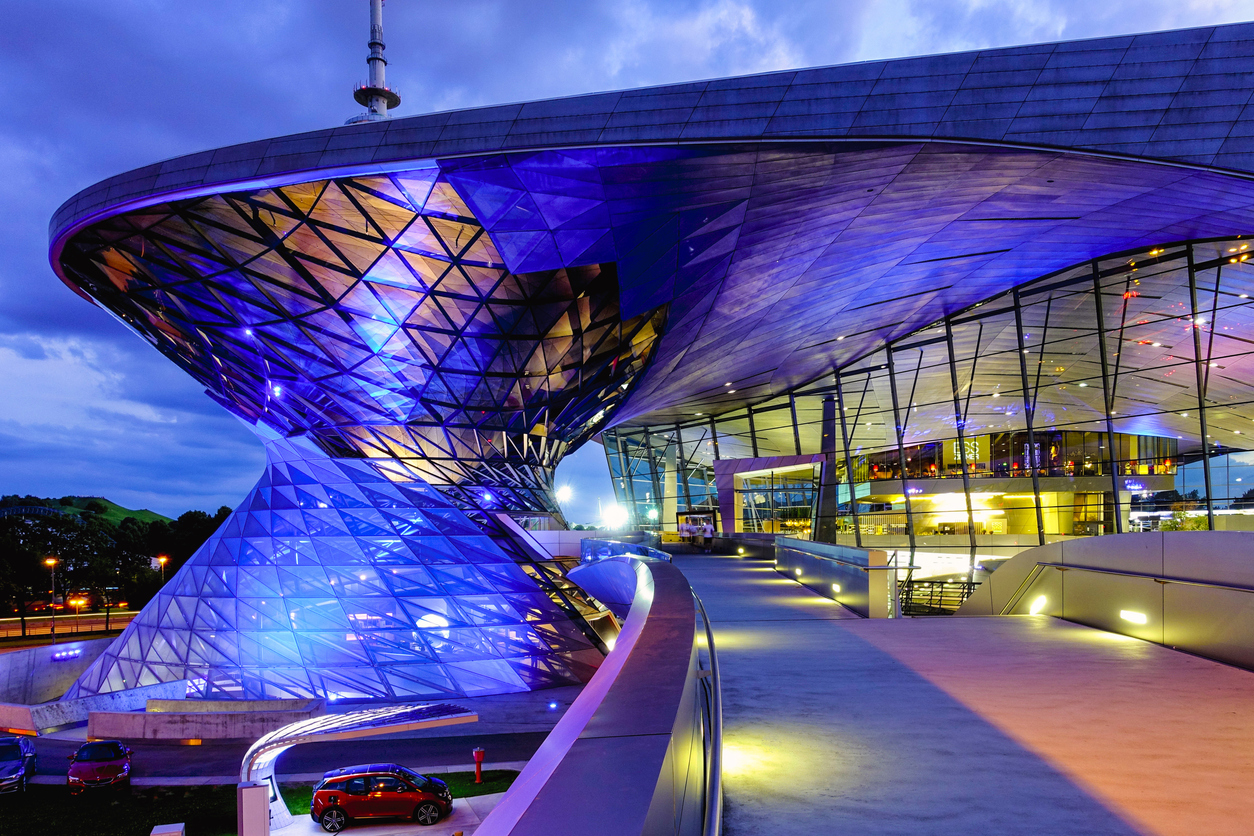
(1164, 579)
(714, 765)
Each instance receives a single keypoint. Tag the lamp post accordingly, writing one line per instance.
(77, 604)
(163, 560)
(51, 563)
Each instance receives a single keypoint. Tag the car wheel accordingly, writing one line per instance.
(333, 820)
(428, 812)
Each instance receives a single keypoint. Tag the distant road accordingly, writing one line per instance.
(68, 625)
(167, 760)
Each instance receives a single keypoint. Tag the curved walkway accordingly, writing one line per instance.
(1015, 725)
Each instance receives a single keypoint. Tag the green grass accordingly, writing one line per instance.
(116, 513)
(207, 811)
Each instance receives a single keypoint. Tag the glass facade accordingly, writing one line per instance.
(347, 580)
(375, 315)
(1109, 397)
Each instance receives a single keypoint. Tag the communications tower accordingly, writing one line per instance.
(375, 95)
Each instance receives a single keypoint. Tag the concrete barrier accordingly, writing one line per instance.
(38, 674)
(225, 720)
(35, 719)
(1190, 590)
(628, 757)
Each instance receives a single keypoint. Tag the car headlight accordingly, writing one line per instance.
(10, 779)
(74, 780)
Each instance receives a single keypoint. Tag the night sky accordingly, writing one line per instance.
(94, 88)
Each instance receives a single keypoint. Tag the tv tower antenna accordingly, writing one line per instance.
(375, 95)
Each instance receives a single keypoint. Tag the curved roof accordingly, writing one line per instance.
(1177, 95)
(783, 213)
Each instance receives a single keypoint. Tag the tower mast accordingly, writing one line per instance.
(375, 95)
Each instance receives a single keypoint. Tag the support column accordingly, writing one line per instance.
(683, 466)
(844, 433)
(1199, 367)
(1108, 395)
(960, 427)
(829, 483)
(901, 448)
(753, 433)
(1029, 412)
(796, 430)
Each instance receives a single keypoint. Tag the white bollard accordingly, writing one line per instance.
(252, 808)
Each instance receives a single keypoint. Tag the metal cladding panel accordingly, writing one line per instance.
(343, 579)
(901, 98)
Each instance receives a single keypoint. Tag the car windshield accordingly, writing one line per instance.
(413, 776)
(100, 752)
(10, 752)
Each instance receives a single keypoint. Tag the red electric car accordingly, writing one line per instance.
(379, 790)
(100, 764)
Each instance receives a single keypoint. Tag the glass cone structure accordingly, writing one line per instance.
(346, 579)
(957, 305)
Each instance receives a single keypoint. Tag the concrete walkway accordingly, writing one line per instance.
(467, 815)
(1014, 725)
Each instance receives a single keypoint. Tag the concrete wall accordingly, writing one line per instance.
(1194, 589)
(32, 719)
(628, 757)
(199, 724)
(566, 543)
(38, 674)
(825, 566)
(213, 706)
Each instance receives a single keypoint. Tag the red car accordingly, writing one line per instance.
(381, 790)
(101, 763)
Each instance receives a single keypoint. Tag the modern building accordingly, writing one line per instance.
(956, 305)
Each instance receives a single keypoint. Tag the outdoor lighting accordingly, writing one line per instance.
(1134, 617)
(652, 515)
(51, 563)
(1038, 605)
(552, 706)
(614, 516)
(797, 572)
(564, 493)
(836, 588)
(741, 550)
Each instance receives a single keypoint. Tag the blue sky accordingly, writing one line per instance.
(92, 89)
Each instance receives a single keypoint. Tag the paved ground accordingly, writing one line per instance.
(510, 729)
(1023, 725)
(466, 817)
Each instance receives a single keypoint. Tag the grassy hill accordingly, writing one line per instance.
(116, 513)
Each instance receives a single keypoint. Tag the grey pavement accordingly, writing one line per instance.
(1010, 725)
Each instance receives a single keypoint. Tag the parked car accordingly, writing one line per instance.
(17, 763)
(100, 764)
(380, 790)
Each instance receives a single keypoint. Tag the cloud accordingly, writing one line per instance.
(92, 89)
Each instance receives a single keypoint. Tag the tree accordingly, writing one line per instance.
(1182, 520)
(1246, 500)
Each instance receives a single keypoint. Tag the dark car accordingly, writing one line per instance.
(17, 763)
(100, 764)
(380, 790)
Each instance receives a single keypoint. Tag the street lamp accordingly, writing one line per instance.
(163, 560)
(51, 563)
(77, 604)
